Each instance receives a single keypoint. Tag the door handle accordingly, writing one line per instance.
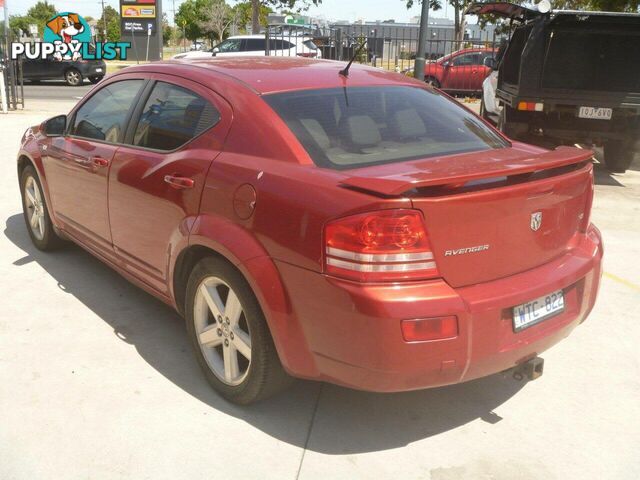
(99, 162)
(178, 182)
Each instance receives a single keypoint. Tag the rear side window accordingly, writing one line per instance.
(255, 45)
(357, 126)
(103, 117)
(172, 116)
(467, 59)
(277, 44)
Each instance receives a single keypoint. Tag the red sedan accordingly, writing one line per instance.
(461, 71)
(359, 228)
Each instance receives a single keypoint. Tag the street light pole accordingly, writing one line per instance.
(422, 42)
(104, 24)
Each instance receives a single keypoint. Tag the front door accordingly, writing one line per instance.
(464, 72)
(156, 180)
(77, 164)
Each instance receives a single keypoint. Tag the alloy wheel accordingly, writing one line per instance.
(73, 77)
(34, 207)
(222, 330)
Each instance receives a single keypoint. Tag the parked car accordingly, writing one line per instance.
(354, 227)
(251, 45)
(461, 71)
(569, 77)
(72, 72)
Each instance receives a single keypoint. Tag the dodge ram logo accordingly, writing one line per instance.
(536, 221)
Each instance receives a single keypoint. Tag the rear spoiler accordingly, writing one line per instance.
(398, 184)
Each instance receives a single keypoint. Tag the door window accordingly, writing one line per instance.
(172, 116)
(467, 60)
(228, 46)
(103, 117)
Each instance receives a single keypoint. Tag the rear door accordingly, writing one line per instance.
(156, 180)
(77, 164)
(231, 47)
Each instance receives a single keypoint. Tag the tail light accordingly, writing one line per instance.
(308, 54)
(531, 106)
(384, 246)
(586, 215)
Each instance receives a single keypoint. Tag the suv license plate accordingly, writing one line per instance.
(595, 113)
(537, 310)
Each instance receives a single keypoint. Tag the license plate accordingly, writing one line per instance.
(595, 113)
(537, 310)
(98, 70)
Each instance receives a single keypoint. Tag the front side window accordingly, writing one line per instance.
(103, 117)
(232, 45)
(173, 116)
(357, 126)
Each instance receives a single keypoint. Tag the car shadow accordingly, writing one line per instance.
(344, 421)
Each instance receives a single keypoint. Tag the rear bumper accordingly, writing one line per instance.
(353, 331)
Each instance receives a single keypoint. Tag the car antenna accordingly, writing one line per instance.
(345, 71)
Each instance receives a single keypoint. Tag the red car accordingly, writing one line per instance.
(359, 228)
(461, 71)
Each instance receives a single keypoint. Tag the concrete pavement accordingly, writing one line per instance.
(97, 381)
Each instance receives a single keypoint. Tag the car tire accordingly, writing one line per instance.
(73, 77)
(433, 81)
(237, 355)
(619, 154)
(95, 79)
(36, 213)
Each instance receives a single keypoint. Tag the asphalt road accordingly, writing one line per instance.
(54, 90)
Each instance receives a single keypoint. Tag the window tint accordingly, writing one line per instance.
(172, 116)
(277, 44)
(103, 116)
(232, 45)
(255, 45)
(467, 59)
(346, 128)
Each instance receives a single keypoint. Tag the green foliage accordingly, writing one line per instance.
(112, 18)
(243, 12)
(41, 12)
(38, 15)
(167, 30)
(19, 25)
(190, 16)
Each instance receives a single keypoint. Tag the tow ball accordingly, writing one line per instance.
(531, 369)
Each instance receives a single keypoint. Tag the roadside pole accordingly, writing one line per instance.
(133, 40)
(418, 71)
(3, 87)
(149, 27)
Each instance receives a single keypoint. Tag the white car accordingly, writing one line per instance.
(252, 45)
(489, 107)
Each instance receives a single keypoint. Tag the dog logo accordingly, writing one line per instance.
(69, 29)
(536, 221)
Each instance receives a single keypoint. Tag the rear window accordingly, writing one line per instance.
(359, 126)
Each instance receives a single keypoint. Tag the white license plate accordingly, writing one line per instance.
(537, 310)
(98, 70)
(595, 113)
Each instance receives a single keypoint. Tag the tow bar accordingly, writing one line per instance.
(531, 369)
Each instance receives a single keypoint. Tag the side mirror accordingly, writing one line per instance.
(215, 51)
(491, 63)
(55, 127)
(446, 64)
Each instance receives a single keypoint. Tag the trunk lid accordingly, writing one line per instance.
(494, 214)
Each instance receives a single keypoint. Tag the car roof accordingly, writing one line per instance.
(273, 74)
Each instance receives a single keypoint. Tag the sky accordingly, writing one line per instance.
(331, 9)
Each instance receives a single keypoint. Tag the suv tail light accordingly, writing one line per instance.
(384, 246)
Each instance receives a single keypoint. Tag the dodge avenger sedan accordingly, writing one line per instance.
(350, 226)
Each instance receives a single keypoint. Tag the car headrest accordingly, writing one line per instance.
(360, 131)
(316, 131)
(406, 124)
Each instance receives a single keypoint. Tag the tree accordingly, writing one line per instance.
(167, 30)
(38, 15)
(19, 25)
(42, 12)
(219, 17)
(190, 16)
(282, 4)
(244, 14)
(110, 18)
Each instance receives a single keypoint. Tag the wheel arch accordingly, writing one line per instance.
(220, 238)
